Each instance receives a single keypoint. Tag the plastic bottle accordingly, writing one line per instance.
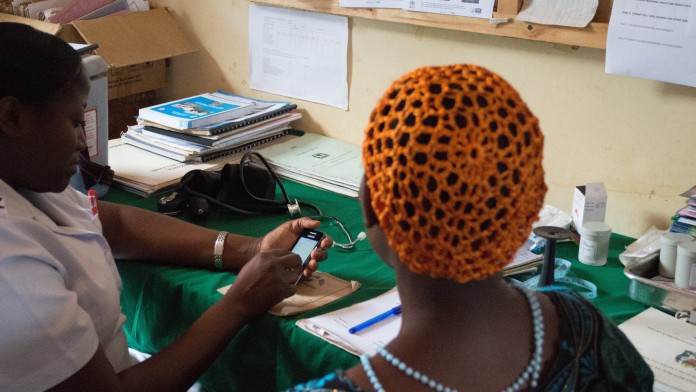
(594, 243)
(668, 252)
(685, 271)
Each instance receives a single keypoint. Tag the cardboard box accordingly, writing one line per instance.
(122, 111)
(589, 204)
(134, 45)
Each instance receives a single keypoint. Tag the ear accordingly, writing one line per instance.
(10, 114)
(369, 217)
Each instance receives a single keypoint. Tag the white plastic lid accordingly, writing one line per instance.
(670, 238)
(94, 65)
(594, 228)
(688, 248)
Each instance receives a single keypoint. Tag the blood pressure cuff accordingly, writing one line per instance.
(93, 173)
(250, 189)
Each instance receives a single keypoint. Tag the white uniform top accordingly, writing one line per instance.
(59, 290)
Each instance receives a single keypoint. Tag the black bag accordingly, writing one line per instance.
(243, 188)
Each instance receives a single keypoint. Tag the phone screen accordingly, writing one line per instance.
(306, 243)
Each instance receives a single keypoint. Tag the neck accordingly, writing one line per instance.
(484, 322)
(462, 308)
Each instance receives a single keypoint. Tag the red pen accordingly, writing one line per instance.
(93, 198)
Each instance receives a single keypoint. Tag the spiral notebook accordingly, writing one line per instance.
(181, 155)
(222, 138)
(262, 111)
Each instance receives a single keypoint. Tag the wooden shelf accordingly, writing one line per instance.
(592, 36)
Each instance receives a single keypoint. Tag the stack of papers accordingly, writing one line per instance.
(333, 327)
(319, 161)
(524, 261)
(144, 173)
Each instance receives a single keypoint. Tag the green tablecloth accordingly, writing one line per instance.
(271, 353)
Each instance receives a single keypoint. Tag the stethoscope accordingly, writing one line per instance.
(293, 207)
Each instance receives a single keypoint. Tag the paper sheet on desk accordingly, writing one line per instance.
(667, 344)
(320, 289)
(333, 327)
(320, 161)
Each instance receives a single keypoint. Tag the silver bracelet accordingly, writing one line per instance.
(219, 247)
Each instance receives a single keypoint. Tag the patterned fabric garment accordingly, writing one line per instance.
(594, 356)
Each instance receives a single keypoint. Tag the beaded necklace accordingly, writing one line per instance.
(531, 371)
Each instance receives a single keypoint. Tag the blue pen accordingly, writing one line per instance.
(391, 312)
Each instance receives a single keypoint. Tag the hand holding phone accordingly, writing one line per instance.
(308, 241)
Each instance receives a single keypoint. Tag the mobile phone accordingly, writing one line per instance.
(306, 243)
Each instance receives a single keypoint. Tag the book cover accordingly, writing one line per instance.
(261, 111)
(687, 212)
(197, 111)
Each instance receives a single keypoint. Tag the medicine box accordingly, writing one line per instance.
(589, 204)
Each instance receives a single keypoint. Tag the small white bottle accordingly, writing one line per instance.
(685, 271)
(668, 252)
(594, 243)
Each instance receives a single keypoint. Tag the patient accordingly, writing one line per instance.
(453, 181)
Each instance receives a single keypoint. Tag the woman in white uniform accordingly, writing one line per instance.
(60, 318)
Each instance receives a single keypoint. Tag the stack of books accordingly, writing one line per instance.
(209, 126)
(684, 220)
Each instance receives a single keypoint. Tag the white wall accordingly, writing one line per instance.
(637, 136)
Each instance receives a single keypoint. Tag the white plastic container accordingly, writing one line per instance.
(668, 252)
(96, 120)
(685, 271)
(594, 243)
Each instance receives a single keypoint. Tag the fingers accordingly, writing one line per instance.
(285, 265)
(265, 280)
(327, 243)
(290, 263)
(304, 223)
(319, 254)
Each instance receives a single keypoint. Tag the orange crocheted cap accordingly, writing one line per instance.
(452, 159)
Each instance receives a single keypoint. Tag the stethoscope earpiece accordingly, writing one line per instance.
(361, 236)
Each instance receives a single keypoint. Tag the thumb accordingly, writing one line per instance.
(300, 224)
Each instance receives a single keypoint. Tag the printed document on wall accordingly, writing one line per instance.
(691, 26)
(650, 39)
(573, 13)
(370, 3)
(299, 54)
(470, 8)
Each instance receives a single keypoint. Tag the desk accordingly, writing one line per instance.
(271, 353)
